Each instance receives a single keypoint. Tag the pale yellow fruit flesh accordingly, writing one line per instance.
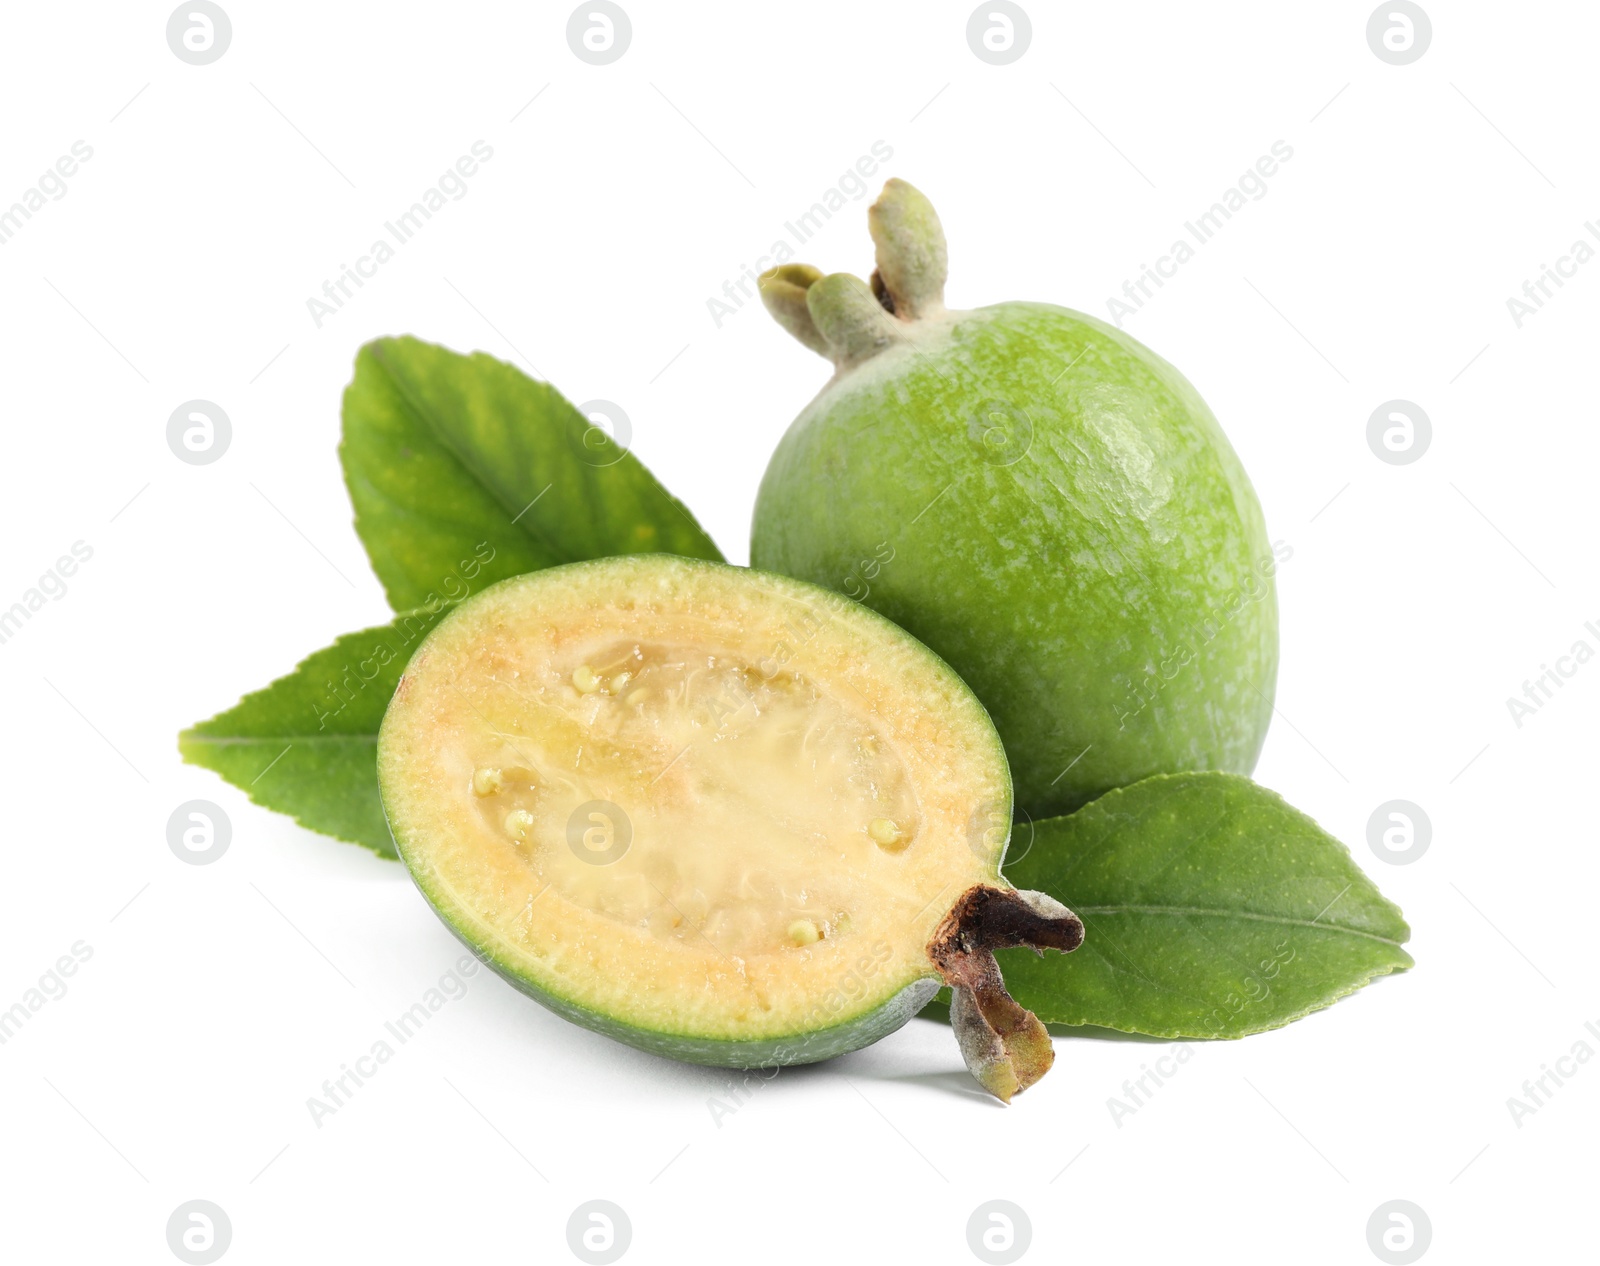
(693, 799)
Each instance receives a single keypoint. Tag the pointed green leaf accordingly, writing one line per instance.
(307, 744)
(453, 460)
(1211, 908)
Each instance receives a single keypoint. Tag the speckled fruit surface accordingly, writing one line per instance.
(1043, 501)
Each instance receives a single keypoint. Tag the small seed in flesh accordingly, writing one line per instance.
(884, 832)
(619, 683)
(804, 932)
(487, 781)
(637, 697)
(584, 680)
(518, 823)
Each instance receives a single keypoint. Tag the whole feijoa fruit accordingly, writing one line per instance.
(1039, 498)
(723, 816)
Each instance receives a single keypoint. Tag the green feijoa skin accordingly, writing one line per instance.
(1043, 501)
(724, 816)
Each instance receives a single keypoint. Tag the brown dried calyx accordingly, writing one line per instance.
(1005, 1045)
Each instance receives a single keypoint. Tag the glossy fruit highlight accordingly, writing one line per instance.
(1043, 501)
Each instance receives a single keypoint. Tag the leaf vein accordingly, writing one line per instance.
(1250, 915)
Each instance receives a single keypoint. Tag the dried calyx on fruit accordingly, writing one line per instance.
(1006, 1047)
(724, 816)
(1040, 499)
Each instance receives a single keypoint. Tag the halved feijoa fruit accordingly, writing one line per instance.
(721, 815)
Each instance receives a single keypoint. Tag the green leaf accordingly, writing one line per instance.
(1211, 909)
(460, 462)
(307, 744)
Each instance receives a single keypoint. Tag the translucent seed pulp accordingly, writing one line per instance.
(884, 832)
(692, 795)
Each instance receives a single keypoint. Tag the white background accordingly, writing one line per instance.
(1418, 598)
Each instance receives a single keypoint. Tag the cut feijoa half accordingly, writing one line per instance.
(721, 815)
